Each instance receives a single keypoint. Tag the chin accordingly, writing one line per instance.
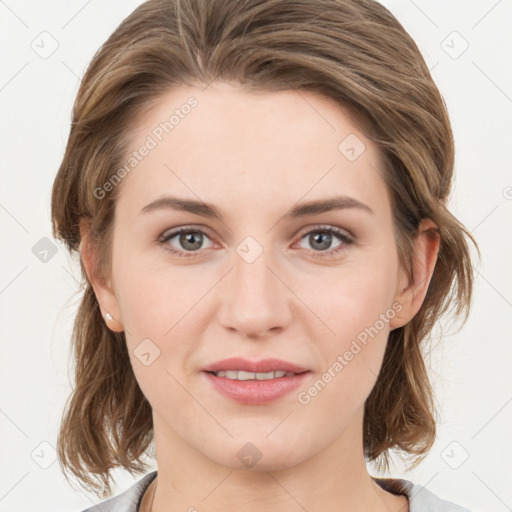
(259, 454)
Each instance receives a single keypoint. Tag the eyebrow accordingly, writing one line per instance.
(301, 210)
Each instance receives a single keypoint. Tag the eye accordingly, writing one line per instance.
(189, 239)
(321, 239)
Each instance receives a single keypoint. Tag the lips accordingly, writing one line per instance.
(263, 366)
(248, 390)
(256, 392)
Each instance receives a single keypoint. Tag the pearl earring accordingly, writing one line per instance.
(108, 317)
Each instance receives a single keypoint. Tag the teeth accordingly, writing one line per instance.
(241, 375)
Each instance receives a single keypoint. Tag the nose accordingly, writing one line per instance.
(255, 299)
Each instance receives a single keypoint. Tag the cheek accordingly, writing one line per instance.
(356, 309)
(352, 359)
(159, 308)
(154, 297)
(354, 297)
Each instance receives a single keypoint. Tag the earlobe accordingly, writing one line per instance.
(102, 287)
(425, 251)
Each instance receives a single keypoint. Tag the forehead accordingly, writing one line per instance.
(225, 143)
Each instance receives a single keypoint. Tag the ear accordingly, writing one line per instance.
(411, 292)
(102, 287)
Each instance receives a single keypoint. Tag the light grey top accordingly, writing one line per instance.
(420, 498)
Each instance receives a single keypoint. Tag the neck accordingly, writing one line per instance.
(334, 479)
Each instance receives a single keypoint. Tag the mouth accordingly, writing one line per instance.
(255, 388)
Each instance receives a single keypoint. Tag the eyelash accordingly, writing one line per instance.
(345, 239)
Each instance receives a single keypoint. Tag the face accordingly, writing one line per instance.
(257, 274)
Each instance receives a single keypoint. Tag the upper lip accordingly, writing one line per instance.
(263, 366)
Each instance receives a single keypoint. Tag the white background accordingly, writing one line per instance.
(470, 369)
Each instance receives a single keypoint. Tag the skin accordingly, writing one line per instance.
(255, 156)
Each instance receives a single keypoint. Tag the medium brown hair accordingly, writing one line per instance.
(353, 51)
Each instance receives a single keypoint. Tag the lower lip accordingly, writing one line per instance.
(256, 392)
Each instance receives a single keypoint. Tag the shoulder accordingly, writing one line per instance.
(420, 498)
(127, 501)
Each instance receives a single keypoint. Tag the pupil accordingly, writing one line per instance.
(327, 239)
(187, 241)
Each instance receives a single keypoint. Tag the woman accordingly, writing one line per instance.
(257, 190)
